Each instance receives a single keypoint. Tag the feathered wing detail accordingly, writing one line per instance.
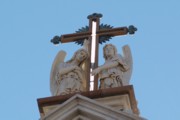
(127, 57)
(54, 69)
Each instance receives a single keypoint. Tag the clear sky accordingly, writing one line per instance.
(26, 54)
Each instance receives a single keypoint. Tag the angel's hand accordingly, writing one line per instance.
(96, 71)
(86, 43)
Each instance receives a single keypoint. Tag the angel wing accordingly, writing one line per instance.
(127, 57)
(58, 59)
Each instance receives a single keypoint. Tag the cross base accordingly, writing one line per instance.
(118, 95)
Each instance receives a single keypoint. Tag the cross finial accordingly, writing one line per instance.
(94, 16)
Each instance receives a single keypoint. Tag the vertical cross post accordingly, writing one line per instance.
(94, 21)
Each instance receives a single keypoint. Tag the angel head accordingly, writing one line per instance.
(109, 50)
(80, 55)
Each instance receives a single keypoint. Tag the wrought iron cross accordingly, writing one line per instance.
(96, 33)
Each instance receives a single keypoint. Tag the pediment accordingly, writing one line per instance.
(80, 117)
(79, 107)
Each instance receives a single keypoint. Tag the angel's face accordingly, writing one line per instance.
(81, 55)
(109, 50)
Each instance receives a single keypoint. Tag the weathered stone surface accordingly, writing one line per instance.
(82, 107)
(122, 96)
(119, 102)
(68, 77)
(117, 69)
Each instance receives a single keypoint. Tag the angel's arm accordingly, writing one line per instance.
(65, 70)
(104, 67)
(111, 64)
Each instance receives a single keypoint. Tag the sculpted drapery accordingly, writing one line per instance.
(68, 77)
(116, 71)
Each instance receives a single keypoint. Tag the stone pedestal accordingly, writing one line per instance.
(105, 104)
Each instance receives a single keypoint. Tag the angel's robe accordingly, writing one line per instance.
(113, 76)
(69, 82)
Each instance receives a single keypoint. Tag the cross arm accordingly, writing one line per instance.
(117, 31)
(74, 37)
(113, 32)
(70, 37)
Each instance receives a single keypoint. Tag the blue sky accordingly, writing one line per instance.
(26, 27)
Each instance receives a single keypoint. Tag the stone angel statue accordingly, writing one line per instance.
(117, 69)
(68, 77)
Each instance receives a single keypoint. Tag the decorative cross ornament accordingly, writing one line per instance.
(96, 34)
